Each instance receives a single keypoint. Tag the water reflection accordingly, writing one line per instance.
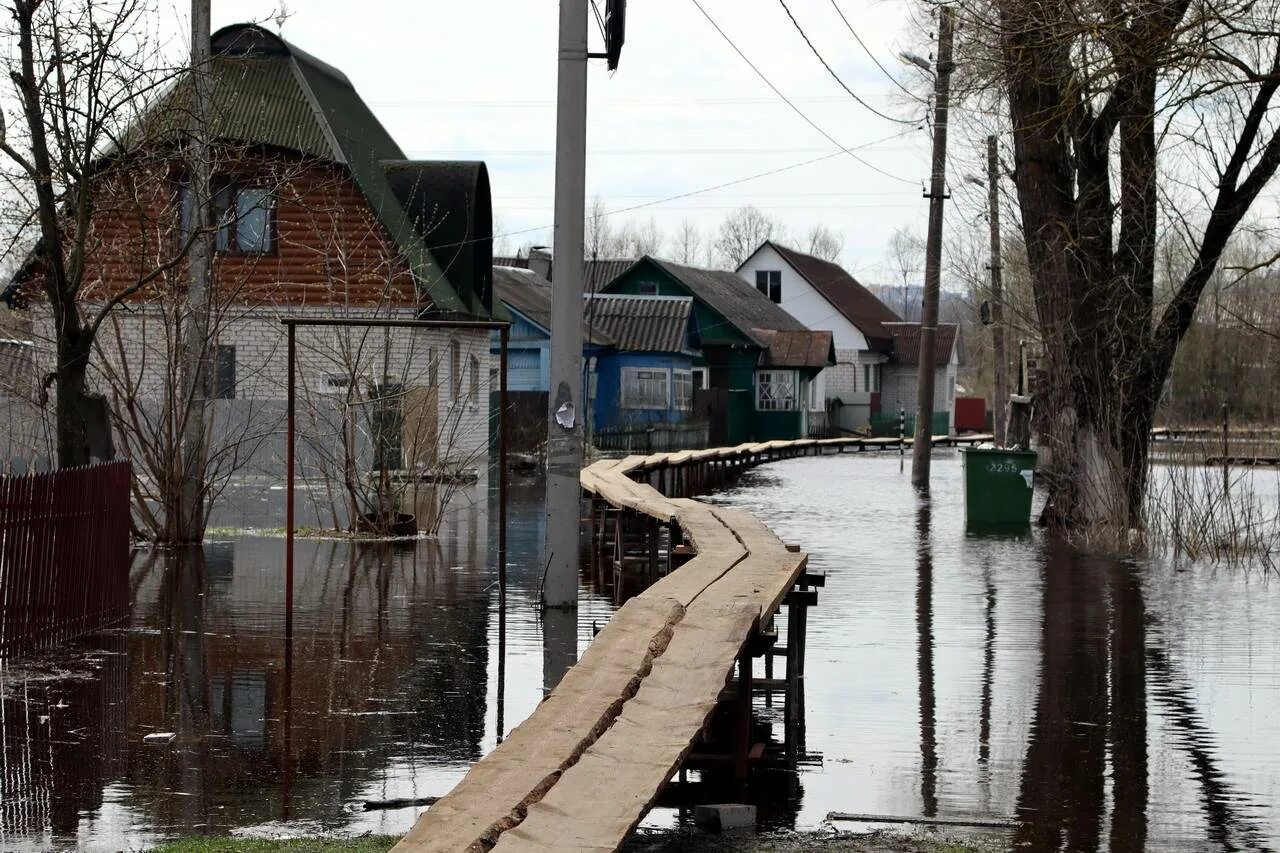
(924, 662)
(1107, 704)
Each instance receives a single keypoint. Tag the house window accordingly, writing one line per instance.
(870, 377)
(682, 390)
(700, 381)
(224, 373)
(387, 426)
(474, 393)
(645, 389)
(433, 369)
(769, 282)
(776, 390)
(455, 369)
(245, 216)
(647, 288)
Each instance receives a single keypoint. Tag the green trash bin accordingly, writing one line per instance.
(997, 488)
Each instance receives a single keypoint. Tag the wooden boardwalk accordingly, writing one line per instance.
(586, 766)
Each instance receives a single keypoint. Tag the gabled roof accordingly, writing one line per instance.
(906, 343)
(600, 272)
(529, 294)
(854, 302)
(266, 91)
(645, 323)
(806, 348)
(749, 311)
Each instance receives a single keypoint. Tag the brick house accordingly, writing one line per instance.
(319, 214)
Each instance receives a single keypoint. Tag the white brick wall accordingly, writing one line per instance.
(137, 343)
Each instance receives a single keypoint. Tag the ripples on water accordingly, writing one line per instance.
(1108, 704)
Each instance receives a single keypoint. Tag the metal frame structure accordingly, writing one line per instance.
(504, 331)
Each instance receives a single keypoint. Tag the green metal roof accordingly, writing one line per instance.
(266, 91)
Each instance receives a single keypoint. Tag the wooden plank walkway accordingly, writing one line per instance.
(586, 766)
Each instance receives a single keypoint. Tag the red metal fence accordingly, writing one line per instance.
(64, 554)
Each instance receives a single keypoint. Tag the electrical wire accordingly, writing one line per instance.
(872, 56)
(789, 103)
(832, 71)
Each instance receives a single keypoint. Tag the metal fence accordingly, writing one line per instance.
(64, 554)
(652, 438)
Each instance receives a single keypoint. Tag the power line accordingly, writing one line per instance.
(871, 55)
(832, 71)
(789, 103)
(723, 185)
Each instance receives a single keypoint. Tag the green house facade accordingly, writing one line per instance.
(759, 375)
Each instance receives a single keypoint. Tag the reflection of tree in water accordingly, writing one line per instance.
(389, 665)
(1062, 794)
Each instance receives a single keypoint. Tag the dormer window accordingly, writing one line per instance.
(769, 282)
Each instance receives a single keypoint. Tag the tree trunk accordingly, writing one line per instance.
(71, 403)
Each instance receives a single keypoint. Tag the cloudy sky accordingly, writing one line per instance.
(683, 113)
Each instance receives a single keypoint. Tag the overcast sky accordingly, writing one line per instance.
(476, 80)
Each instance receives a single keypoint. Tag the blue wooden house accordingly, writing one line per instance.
(645, 376)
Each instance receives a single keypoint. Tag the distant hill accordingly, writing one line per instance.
(952, 306)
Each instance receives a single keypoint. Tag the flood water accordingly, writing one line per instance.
(1107, 704)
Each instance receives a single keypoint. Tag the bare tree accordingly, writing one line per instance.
(600, 240)
(1128, 119)
(742, 232)
(687, 242)
(906, 256)
(637, 239)
(81, 75)
(822, 242)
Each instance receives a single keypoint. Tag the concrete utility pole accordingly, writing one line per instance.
(1000, 394)
(566, 410)
(194, 341)
(922, 451)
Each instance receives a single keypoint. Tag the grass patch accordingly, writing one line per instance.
(223, 844)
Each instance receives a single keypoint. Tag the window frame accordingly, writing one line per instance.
(768, 379)
(681, 398)
(769, 283)
(218, 388)
(226, 236)
(637, 375)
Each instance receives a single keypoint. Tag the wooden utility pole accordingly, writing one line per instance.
(194, 340)
(922, 451)
(1000, 393)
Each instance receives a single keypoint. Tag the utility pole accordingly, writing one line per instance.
(565, 408)
(194, 340)
(922, 451)
(1000, 394)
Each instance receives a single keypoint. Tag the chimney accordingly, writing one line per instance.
(540, 261)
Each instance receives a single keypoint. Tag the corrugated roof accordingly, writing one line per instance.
(747, 309)
(854, 302)
(599, 273)
(528, 293)
(644, 323)
(267, 91)
(793, 348)
(906, 343)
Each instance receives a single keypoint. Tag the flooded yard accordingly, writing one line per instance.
(1106, 704)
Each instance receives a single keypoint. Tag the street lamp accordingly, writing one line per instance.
(916, 60)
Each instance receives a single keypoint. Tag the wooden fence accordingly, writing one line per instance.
(64, 554)
(652, 438)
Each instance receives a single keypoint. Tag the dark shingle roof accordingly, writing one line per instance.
(600, 272)
(747, 309)
(799, 349)
(644, 323)
(527, 292)
(857, 304)
(906, 343)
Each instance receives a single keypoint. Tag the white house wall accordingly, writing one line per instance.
(135, 341)
(801, 301)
